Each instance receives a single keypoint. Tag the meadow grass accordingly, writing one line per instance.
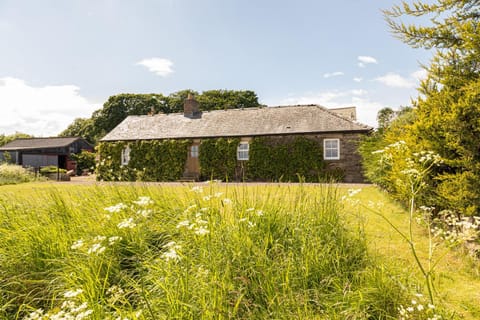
(205, 251)
(456, 274)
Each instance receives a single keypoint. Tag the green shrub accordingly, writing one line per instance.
(51, 169)
(13, 174)
(85, 161)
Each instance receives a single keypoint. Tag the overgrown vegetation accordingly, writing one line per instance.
(204, 252)
(218, 159)
(445, 118)
(13, 174)
(277, 159)
(149, 160)
(85, 161)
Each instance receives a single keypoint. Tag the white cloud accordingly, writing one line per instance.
(159, 66)
(396, 81)
(333, 74)
(358, 79)
(364, 60)
(41, 111)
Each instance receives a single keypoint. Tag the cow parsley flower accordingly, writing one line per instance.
(127, 223)
(77, 244)
(116, 208)
(197, 189)
(143, 201)
(201, 231)
(72, 293)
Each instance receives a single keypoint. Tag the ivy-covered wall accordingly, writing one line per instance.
(152, 160)
(285, 158)
(218, 159)
(275, 158)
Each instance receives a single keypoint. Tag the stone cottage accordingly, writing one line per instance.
(335, 132)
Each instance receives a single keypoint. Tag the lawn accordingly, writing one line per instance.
(214, 251)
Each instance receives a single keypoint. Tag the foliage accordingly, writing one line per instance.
(51, 169)
(85, 161)
(81, 127)
(218, 159)
(277, 159)
(13, 174)
(4, 139)
(149, 160)
(141, 252)
(446, 116)
(119, 106)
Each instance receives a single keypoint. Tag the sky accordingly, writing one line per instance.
(60, 60)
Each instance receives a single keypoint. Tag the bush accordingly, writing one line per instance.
(85, 161)
(51, 169)
(13, 174)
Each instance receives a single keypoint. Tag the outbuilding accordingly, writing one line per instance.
(42, 152)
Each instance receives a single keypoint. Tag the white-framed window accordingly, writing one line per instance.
(125, 156)
(331, 149)
(242, 151)
(194, 151)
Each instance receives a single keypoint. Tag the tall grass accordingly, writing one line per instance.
(198, 252)
(13, 174)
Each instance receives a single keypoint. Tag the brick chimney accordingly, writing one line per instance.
(190, 107)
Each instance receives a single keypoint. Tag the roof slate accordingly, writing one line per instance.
(38, 143)
(235, 123)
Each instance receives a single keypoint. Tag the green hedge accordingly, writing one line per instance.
(286, 159)
(218, 159)
(149, 160)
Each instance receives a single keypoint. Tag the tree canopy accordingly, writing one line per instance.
(119, 106)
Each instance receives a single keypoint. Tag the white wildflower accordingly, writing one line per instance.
(184, 223)
(250, 210)
(96, 248)
(226, 201)
(352, 192)
(259, 213)
(207, 198)
(72, 293)
(77, 244)
(112, 240)
(201, 231)
(197, 189)
(143, 201)
(99, 238)
(218, 194)
(37, 314)
(145, 213)
(116, 208)
(127, 223)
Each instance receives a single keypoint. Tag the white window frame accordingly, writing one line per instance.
(194, 151)
(326, 156)
(243, 153)
(125, 158)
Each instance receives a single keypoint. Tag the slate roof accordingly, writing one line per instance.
(38, 143)
(235, 123)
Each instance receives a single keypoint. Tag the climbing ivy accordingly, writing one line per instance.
(285, 159)
(218, 159)
(155, 160)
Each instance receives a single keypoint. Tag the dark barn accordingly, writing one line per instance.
(41, 152)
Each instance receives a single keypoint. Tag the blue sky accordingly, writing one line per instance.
(63, 59)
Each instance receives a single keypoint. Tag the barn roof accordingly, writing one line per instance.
(235, 123)
(38, 143)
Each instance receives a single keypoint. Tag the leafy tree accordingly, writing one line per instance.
(4, 139)
(118, 107)
(447, 113)
(80, 127)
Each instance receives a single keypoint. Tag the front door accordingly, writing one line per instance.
(193, 163)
